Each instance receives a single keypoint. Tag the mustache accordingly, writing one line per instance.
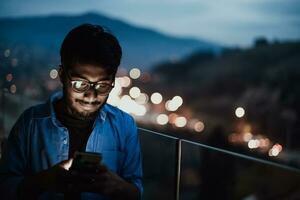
(85, 102)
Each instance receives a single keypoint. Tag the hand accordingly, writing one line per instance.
(52, 179)
(106, 183)
(56, 177)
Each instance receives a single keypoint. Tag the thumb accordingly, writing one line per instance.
(66, 164)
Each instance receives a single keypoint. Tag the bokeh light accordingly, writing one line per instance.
(9, 77)
(275, 150)
(130, 106)
(134, 92)
(135, 73)
(53, 74)
(162, 119)
(253, 143)
(264, 143)
(113, 99)
(171, 106)
(172, 118)
(156, 98)
(14, 62)
(13, 89)
(7, 53)
(139, 110)
(125, 81)
(177, 101)
(199, 126)
(180, 122)
(142, 99)
(239, 112)
(247, 136)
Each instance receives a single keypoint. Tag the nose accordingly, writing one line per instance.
(90, 94)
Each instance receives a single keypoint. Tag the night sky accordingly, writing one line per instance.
(228, 22)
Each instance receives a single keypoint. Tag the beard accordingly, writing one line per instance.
(81, 115)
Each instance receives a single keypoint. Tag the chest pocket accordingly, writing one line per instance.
(113, 160)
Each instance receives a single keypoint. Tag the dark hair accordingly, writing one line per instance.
(91, 44)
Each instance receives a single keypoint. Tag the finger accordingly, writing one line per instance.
(89, 177)
(66, 164)
(101, 169)
(89, 187)
(84, 176)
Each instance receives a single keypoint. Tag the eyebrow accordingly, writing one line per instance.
(75, 75)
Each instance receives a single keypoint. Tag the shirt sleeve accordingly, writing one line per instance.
(12, 163)
(132, 167)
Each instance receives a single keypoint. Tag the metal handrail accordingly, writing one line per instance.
(223, 151)
(178, 157)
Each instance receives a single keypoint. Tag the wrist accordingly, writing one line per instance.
(125, 191)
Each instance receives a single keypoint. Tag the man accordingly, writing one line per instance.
(39, 153)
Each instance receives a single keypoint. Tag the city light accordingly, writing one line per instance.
(247, 128)
(7, 53)
(13, 89)
(162, 119)
(117, 89)
(125, 81)
(174, 103)
(172, 118)
(199, 126)
(142, 99)
(278, 146)
(135, 73)
(253, 144)
(125, 104)
(169, 106)
(264, 143)
(134, 92)
(14, 62)
(180, 122)
(130, 106)
(113, 99)
(275, 150)
(53, 74)
(247, 136)
(156, 98)
(139, 110)
(240, 112)
(9, 77)
(177, 100)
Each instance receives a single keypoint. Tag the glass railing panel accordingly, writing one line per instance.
(212, 173)
(12, 106)
(159, 165)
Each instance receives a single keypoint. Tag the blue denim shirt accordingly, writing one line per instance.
(38, 141)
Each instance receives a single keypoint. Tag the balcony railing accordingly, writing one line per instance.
(175, 168)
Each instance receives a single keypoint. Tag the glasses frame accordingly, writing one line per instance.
(89, 84)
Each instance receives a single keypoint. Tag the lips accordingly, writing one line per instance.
(87, 106)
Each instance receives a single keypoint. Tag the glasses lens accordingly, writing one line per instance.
(103, 88)
(80, 86)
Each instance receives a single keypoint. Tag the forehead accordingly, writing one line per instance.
(89, 72)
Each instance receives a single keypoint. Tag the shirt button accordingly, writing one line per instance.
(65, 141)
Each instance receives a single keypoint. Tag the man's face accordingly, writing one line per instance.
(84, 105)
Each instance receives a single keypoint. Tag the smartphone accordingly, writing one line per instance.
(86, 161)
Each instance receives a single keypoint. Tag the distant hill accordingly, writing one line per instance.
(41, 37)
(263, 79)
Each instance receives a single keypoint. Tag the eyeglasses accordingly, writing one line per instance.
(80, 86)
